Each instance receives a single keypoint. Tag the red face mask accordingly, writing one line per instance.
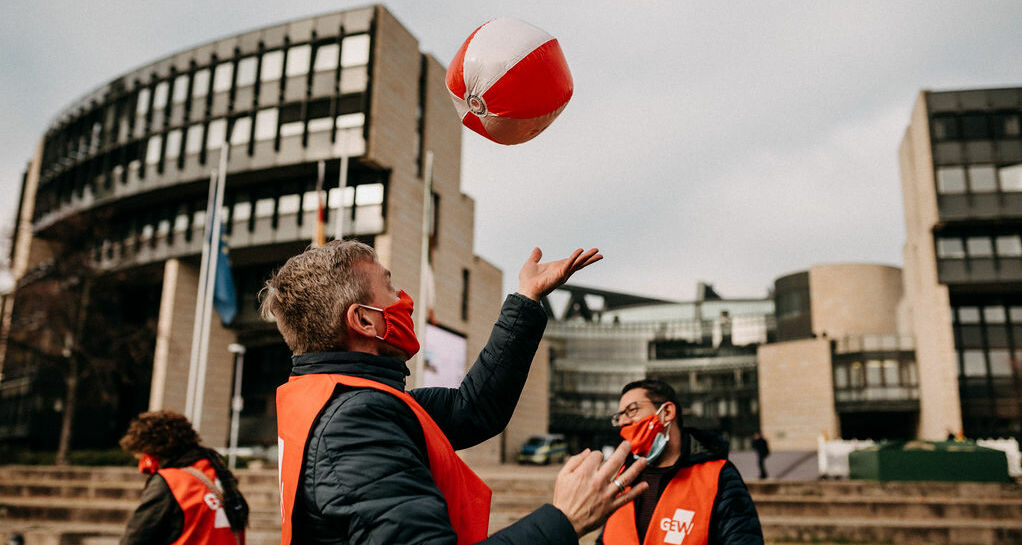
(400, 332)
(642, 433)
(148, 465)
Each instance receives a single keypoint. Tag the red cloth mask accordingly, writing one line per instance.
(642, 433)
(147, 465)
(400, 332)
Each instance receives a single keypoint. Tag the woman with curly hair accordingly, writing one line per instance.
(190, 496)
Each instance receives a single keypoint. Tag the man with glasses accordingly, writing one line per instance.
(694, 495)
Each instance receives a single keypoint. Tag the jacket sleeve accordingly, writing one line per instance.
(158, 520)
(371, 482)
(734, 520)
(483, 405)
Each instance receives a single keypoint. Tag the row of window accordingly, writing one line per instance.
(184, 219)
(332, 68)
(987, 246)
(993, 362)
(990, 314)
(979, 179)
(875, 373)
(975, 126)
(164, 150)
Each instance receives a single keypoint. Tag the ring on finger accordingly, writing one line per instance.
(620, 486)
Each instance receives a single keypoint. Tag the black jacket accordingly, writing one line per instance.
(734, 520)
(159, 520)
(366, 477)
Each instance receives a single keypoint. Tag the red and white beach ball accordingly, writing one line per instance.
(509, 81)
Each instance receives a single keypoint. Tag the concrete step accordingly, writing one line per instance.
(846, 488)
(871, 530)
(896, 508)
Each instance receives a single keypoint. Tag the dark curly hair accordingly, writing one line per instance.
(163, 434)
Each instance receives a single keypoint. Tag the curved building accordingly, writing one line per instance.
(113, 210)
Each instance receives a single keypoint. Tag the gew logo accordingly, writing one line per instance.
(677, 527)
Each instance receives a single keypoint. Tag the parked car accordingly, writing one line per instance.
(543, 449)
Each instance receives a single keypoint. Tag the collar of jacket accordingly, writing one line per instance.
(699, 446)
(383, 369)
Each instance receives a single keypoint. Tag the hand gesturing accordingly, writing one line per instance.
(538, 279)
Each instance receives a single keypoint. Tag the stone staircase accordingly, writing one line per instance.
(89, 506)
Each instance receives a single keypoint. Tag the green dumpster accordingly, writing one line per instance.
(928, 461)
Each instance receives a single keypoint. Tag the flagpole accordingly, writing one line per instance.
(342, 183)
(207, 304)
(423, 310)
(193, 361)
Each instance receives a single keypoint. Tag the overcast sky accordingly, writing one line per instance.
(727, 142)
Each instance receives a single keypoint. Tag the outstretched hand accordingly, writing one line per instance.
(538, 279)
(587, 491)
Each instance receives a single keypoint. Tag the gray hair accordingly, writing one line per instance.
(309, 296)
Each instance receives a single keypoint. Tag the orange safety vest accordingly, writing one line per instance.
(681, 516)
(299, 403)
(205, 519)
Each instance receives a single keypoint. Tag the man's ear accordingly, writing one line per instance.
(670, 412)
(358, 323)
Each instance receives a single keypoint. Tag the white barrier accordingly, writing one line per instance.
(1011, 451)
(832, 456)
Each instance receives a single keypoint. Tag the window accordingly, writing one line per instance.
(968, 315)
(321, 124)
(891, 372)
(982, 179)
(945, 127)
(874, 376)
(327, 57)
(180, 88)
(294, 128)
(974, 126)
(215, 136)
(246, 72)
(369, 194)
(142, 105)
(351, 121)
(266, 124)
(273, 65)
(173, 148)
(200, 83)
(1000, 362)
(289, 204)
(298, 60)
(241, 133)
(152, 152)
(840, 376)
(994, 315)
(222, 77)
(950, 248)
(160, 95)
(1009, 246)
(1005, 125)
(355, 50)
(950, 180)
(193, 140)
(855, 375)
(264, 208)
(242, 210)
(1011, 177)
(973, 363)
(979, 247)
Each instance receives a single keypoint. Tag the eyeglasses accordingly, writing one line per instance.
(630, 411)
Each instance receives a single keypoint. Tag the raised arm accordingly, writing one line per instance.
(483, 405)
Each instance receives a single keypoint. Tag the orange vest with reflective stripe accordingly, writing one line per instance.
(205, 520)
(299, 403)
(681, 516)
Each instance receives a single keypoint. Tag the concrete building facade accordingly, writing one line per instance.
(961, 170)
(840, 366)
(124, 172)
